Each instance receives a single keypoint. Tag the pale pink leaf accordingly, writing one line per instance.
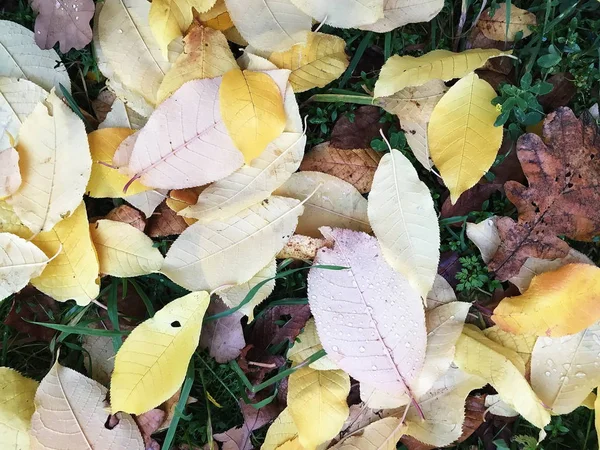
(224, 337)
(370, 320)
(64, 21)
(185, 142)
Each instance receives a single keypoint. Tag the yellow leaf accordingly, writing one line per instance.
(399, 72)
(381, 435)
(150, 366)
(252, 110)
(497, 28)
(20, 261)
(123, 250)
(463, 141)
(556, 304)
(520, 343)
(55, 165)
(589, 401)
(478, 355)
(317, 404)
(281, 431)
(16, 409)
(316, 63)
(217, 17)
(180, 199)
(170, 19)
(73, 274)
(307, 344)
(206, 54)
(106, 182)
(597, 415)
(10, 223)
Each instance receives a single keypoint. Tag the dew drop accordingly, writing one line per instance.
(335, 348)
(580, 375)
(407, 344)
(76, 17)
(566, 366)
(548, 373)
(550, 363)
(374, 367)
(120, 31)
(361, 349)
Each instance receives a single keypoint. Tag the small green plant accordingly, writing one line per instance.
(519, 106)
(396, 138)
(474, 276)
(526, 442)
(556, 427)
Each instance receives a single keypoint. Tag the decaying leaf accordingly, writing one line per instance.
(224, 337)
(206, 54)
(245, 243)
(414, 102)
(16, 409)
(129, 215)
(463, 140)
(307, 344)
(240, 438)
(22, 58)
(504, 27)
(397, 13)
(149, 423)
(55, 165)
(165, 222)
(30, 305)
(140, 380)
(334, 203)
(317, 404)
(64, 21)
(360, 131)
(343, 13)
(302, 247)
(404, 220)
(561, 172)
(364, 303)
(82, 424)
(400, 72)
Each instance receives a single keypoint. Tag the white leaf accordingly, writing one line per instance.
(343, 13)
(440, 294)
(398, 13)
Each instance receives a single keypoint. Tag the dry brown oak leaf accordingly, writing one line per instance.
(563, 171)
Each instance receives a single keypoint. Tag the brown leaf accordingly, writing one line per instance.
(360, 132)
(266, 332)
(128, 214)
(64, 21)
(495, 79)
(165, 222)
(449, 267)
(169, 408)
(149, 423)
(471, 200)
(496, 26)
(224, 338)
(302, 247)
(503, 64)
(180, 199)
(103, 104)
(563, 92)
(356, 166)
(257, 364)
(562, 197)
(31, 304)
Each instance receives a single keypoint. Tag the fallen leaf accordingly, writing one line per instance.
(66, 22)
(148, 201)
(121, 116)
(195, 260)
(252, 109)
(397, 13)
(20, 261)
(317, 404)
(464, 143)
(10, 177)
(383, 434)
(168, 159)
(335, 203)
(166, 340)
(22, 58)
(267, 330)
(101, 361)
(302, 247)
(217, 17)
(564, 89)
(416, 138)
(30, 305)
(149, 423)
(520, 343)
(404, 220)
(224, 338)
(415, 101)
(307, 344)
(128, 215)
(165, 222)
(374, 354)
(281, 430)
(315, 63)
(239, 438)
(559, 170)
(180, 199)
(440, 294)
(344, 13)
(470, 200)
(252, 183)
(16, 400)
(480, 356)
(400, 72)
(359, 132)
(276, 24)
(356, 166)
(504, 24)
(206, 54)
(496, 406)
(82, 425)
(55, 165)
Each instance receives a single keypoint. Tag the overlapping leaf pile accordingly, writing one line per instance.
(207, 147)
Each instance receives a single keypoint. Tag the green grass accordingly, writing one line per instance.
(566, 28)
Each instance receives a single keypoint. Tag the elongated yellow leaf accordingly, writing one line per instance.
(556, 304)
(73, 274)
(397, 13)
(336, 203)
(244, 243)
(463, 140)
(316, 63)
(307, 344)
(478, 355)
(520, 343)
(252, 110)
(252, 183)
(564, 370)
(342, 13)
(282, 430)
(18, 99)
(22, 58)
(16, 409)
(71, 412)
(206, 54)
(123, 250)
(55, 165)
(317, 404)
(381, 435)
(150, 366)
(105, 181)
(404, 220)
(20, 261)
(399, 72)
(170, 19)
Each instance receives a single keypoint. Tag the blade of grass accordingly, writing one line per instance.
(72, 103)
(180, 408)
(69, 329)
(341, 98)
(360, 50)
(113, 312)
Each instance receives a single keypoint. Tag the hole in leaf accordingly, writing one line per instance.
(111, 422)
(176, 324)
